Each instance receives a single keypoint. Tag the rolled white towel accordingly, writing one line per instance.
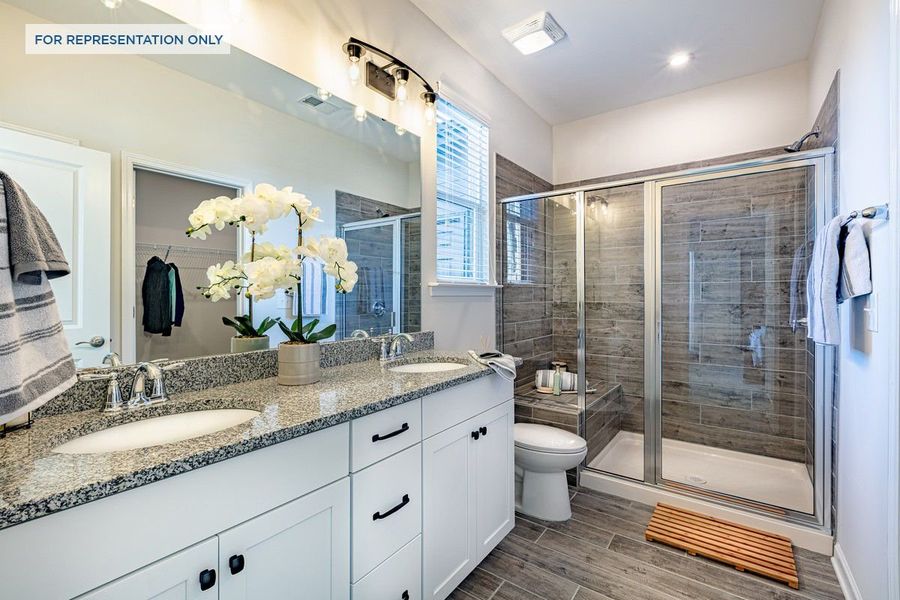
(502, 364)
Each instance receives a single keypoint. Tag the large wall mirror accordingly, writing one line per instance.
(118, 168)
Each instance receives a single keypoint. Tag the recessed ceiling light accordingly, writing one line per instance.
(679, 59)
(535, 33)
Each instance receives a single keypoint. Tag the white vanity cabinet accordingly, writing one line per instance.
(176, 577)
(301, 545)
(399, 504)
(468, 483)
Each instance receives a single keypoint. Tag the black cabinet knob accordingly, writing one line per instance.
(404, 595)
(483, 430)
(207, 579)
(236, 564)
(476, 434)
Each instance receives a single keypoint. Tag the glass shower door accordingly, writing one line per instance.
(736, 378)
(373, 303)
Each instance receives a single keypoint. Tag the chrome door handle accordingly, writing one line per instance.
(97, 342)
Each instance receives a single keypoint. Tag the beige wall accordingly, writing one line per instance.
(750, 113)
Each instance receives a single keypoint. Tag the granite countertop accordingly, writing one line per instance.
(35, 481)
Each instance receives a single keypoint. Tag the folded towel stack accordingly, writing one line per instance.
(502, 364)
(35, 361)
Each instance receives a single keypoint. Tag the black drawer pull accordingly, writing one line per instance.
(387, 436)
(483, 430)
(236, 564)
(476, 434)
(403, 503)
(207, 579)
(404, 595)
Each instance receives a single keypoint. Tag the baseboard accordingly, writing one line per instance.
(844, 574)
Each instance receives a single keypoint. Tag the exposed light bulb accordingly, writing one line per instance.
(323, 94)
(353, 71)
(111, 4)
(429, 112)
(679, 59)
(399, 130)
(360, 114)
(604, 206)
(402, 91)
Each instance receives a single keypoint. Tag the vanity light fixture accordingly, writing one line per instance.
(323, 94)
(399, 130)
(534, 33)
(391, 79)
(360, 114)
(679, 59)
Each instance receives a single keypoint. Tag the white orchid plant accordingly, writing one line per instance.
(268, 268)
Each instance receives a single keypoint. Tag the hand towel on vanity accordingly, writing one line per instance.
(502, 364)
(35, 361)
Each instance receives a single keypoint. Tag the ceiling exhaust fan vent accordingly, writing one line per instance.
(315, 103)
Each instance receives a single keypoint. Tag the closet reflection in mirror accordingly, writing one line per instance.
(181, 129)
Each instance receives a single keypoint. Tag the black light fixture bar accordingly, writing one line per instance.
(357, 48)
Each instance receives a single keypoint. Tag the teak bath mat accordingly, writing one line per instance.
(742, 547)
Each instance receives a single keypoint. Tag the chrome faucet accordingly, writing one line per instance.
(396, 349)
(113, 359)
(359, 334)
(389, 347)
(154, 375)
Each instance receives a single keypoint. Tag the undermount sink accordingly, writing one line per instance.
(428, 367)
(156, 431)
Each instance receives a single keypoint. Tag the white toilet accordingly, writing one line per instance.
(543, 454)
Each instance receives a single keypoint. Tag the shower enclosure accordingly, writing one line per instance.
(386, 298)
(680, 300)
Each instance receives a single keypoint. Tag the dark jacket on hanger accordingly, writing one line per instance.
(179, 297)
(157, 298)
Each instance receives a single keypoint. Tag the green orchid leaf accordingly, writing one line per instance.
(308, 328)
(323, 334)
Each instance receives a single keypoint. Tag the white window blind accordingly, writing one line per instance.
(463, 195)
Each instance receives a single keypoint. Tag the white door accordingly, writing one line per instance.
(448, 495)
(186, 575)
(71, 186)
(299, 550)
(494, 477)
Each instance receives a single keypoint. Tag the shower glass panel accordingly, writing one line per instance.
(411, 274)
(614, 330)
(538, 302)
(372, 304)
(736, 380)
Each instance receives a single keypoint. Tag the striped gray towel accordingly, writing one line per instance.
(35, 361)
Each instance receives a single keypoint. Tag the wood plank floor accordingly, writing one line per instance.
(601, 554)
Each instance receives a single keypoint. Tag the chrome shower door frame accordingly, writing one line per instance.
(397, 242)
(822, 162)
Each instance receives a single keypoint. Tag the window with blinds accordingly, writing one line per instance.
(463, 196)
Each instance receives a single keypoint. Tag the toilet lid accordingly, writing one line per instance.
(543, 438)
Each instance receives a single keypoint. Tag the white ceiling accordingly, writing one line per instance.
(616, 51)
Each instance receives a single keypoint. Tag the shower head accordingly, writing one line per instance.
(795, 147)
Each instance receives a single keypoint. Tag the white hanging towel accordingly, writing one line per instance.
(839, 270)
(35, 361)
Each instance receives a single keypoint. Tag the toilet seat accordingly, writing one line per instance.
(550, 440)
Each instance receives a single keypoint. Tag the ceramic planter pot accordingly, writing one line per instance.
(249, 344)
(298, 364)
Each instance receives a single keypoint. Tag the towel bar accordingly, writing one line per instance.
(872, 212)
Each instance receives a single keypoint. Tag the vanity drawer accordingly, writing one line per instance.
(397, 578)
(386, 432)
(387, 509)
